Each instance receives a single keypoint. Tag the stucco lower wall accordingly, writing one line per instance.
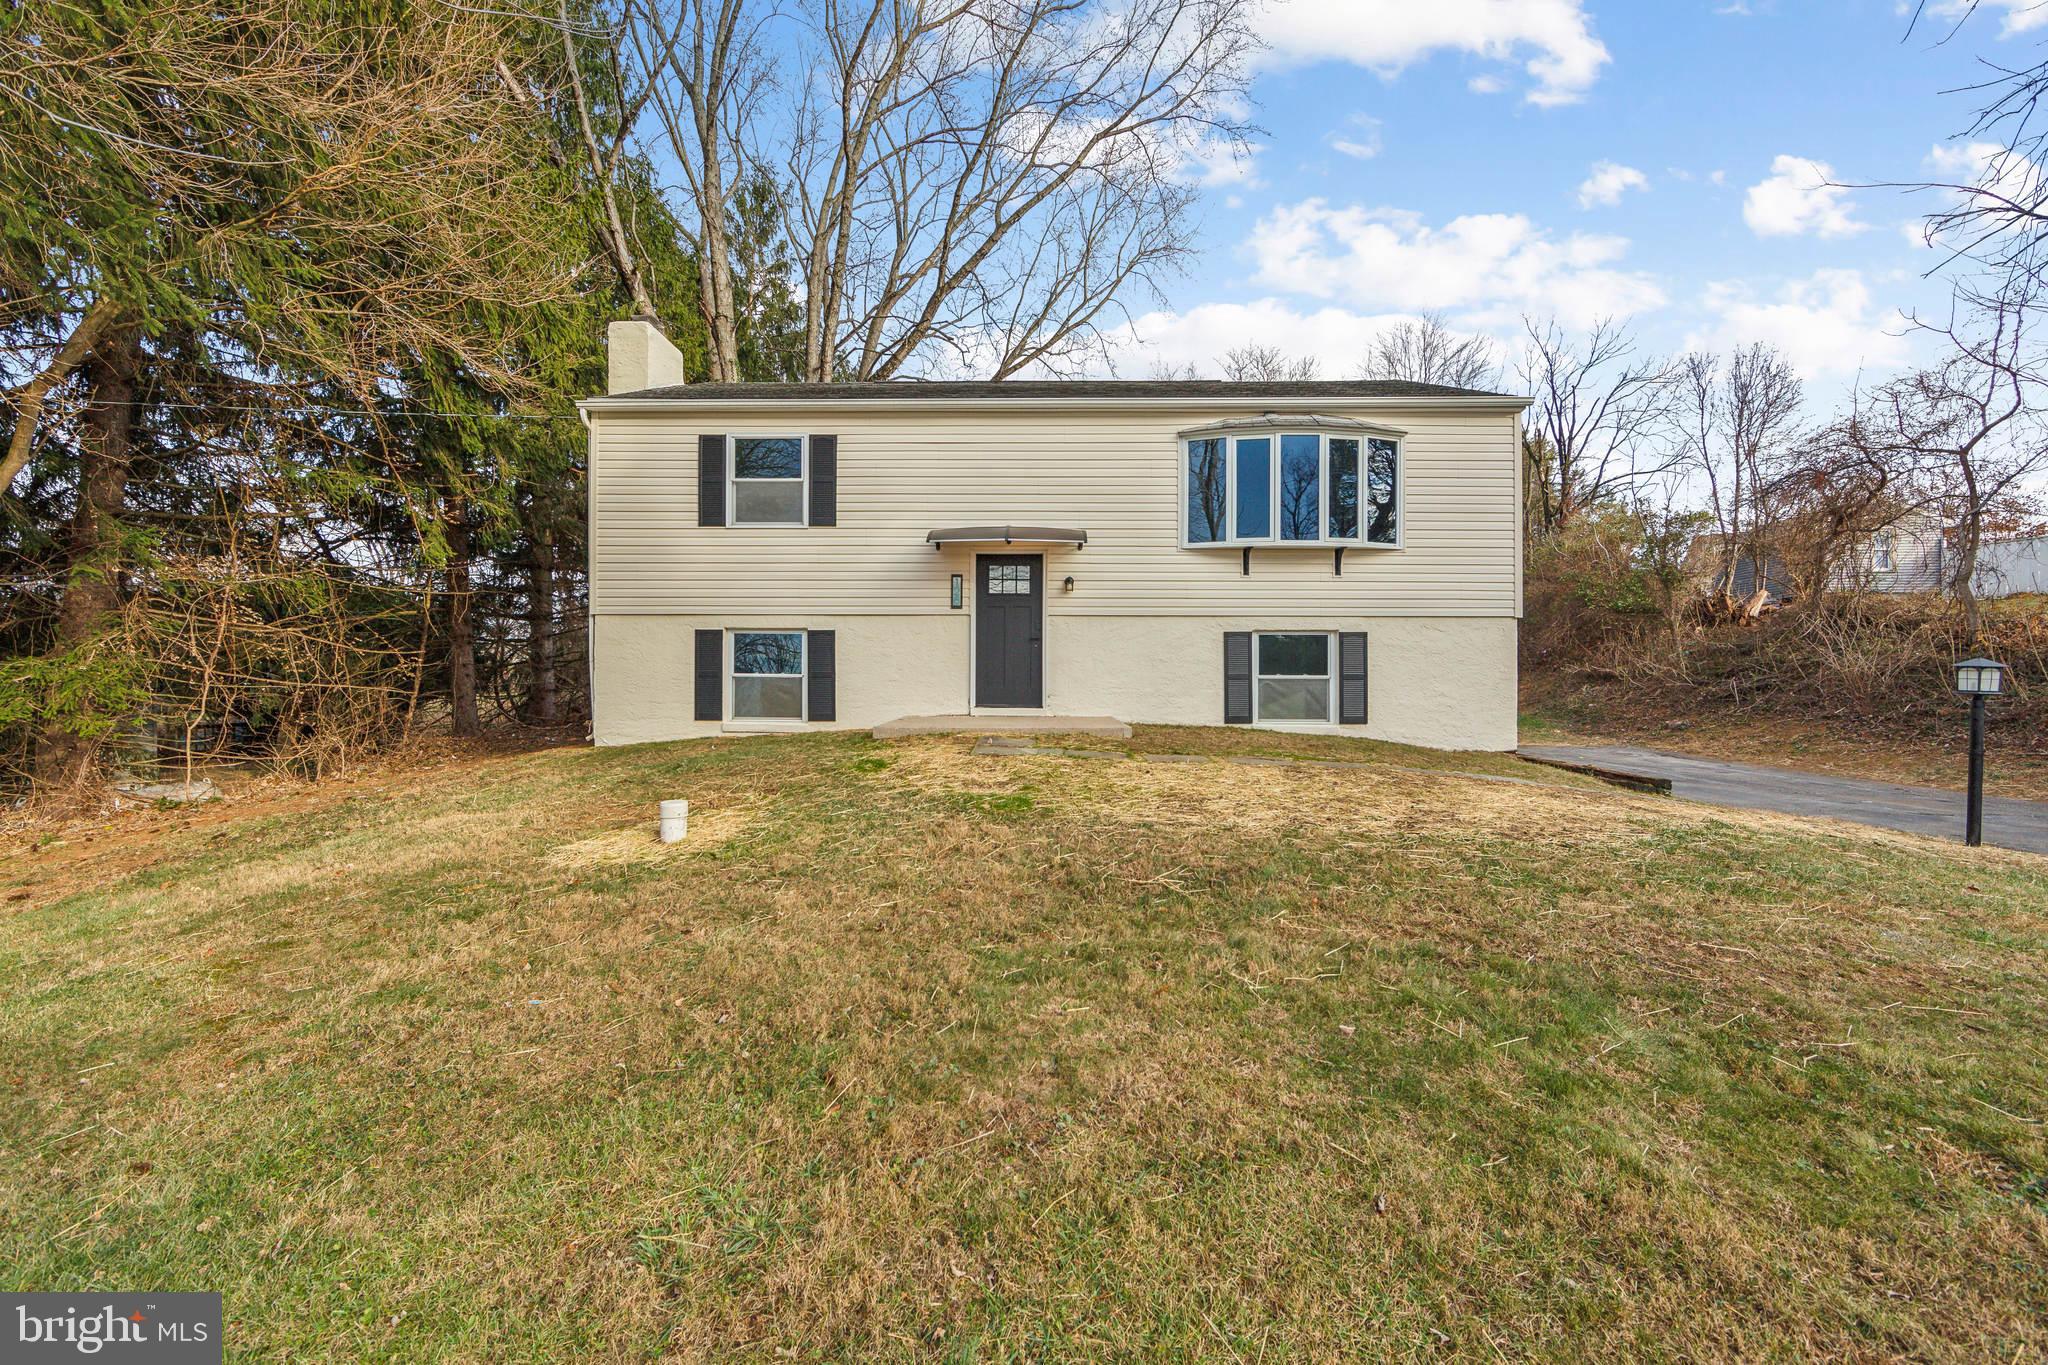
(888, 666)
(1444, 682)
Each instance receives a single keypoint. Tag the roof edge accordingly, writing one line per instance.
(655, 402)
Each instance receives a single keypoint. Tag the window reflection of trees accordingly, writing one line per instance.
(1205, 490)
(767, 653)
(1343, 489)
(1381, 529)
(1301, 462)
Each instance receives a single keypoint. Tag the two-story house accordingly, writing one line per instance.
(1338, 556)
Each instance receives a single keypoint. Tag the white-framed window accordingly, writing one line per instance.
(1881, 548)
(768, 480)
(1293, 676)
(767, 670)
(1283, 487)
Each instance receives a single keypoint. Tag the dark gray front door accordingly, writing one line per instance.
(1009, 606)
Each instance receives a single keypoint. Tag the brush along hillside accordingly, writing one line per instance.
(909, 1053)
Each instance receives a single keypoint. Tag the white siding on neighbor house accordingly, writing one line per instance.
(1919, 560)
(905, 469)
(2010, 566)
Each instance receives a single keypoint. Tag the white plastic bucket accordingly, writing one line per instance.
(675, 821)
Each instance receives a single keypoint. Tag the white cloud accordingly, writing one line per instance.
(1486, 85)
(1337, 337)
(1987, 166)
(1360, 137)
(2021, 16)
(1826, 324)
(1552, 39)
(1608, 182)
(1799, 197)
(1189, 155)
(1212, 163)
(1490, 267)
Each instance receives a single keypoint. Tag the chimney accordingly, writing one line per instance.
(641, 357)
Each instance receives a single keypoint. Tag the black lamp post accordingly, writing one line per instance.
(1977, 679)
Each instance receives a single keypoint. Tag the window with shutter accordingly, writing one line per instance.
(1351, 678)
(823, 682)
(710, 675)
(1237, 678)
(824, 481)
(711, 481)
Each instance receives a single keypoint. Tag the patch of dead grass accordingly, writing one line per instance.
(1032, 1056)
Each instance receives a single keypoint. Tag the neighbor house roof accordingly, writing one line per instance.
(916, 391)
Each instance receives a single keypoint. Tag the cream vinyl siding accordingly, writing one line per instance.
(1114, 472)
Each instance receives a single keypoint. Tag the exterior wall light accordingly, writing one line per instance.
(957, 592)
(1977, 679)
(1069, 584)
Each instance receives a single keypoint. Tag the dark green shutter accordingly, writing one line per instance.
(1351, 678)
(711, 481)
(824, 665)
(1237, 677)
(824, 481)
(710, 675)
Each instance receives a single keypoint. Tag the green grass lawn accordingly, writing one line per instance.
(913, 1054)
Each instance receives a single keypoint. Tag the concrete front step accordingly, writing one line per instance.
(1107, 727)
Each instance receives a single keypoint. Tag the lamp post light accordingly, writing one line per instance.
(1977, 679)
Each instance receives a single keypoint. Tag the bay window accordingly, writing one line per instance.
(1305, 482)
(1253, 474)
(1206, 483)
(1301, 487)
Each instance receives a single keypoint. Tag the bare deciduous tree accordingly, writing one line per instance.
(1599, 419)
(606, 149)
(981, 181)
(1741, 427)
(703, 68)
(1971, 419)
(1841, 485)
(1996, 211)
(1425, 350)
(1266, 364)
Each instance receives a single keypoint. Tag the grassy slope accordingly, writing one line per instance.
(910, 1053)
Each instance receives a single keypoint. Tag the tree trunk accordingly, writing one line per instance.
(714, 272)
(461, 630)
(1970, 536)
(28, 401)
(92, 585)
(543, 706)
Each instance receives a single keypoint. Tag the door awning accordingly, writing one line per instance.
(1007, 535)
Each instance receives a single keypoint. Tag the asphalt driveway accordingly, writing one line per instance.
(2008, 823)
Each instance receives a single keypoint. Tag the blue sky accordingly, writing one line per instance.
(1656, 159)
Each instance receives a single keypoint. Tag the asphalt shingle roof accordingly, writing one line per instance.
(911, 390)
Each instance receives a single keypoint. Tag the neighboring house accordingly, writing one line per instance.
(1910, 555)
(1706, 561)
(2012, 566)
(1340, 556)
